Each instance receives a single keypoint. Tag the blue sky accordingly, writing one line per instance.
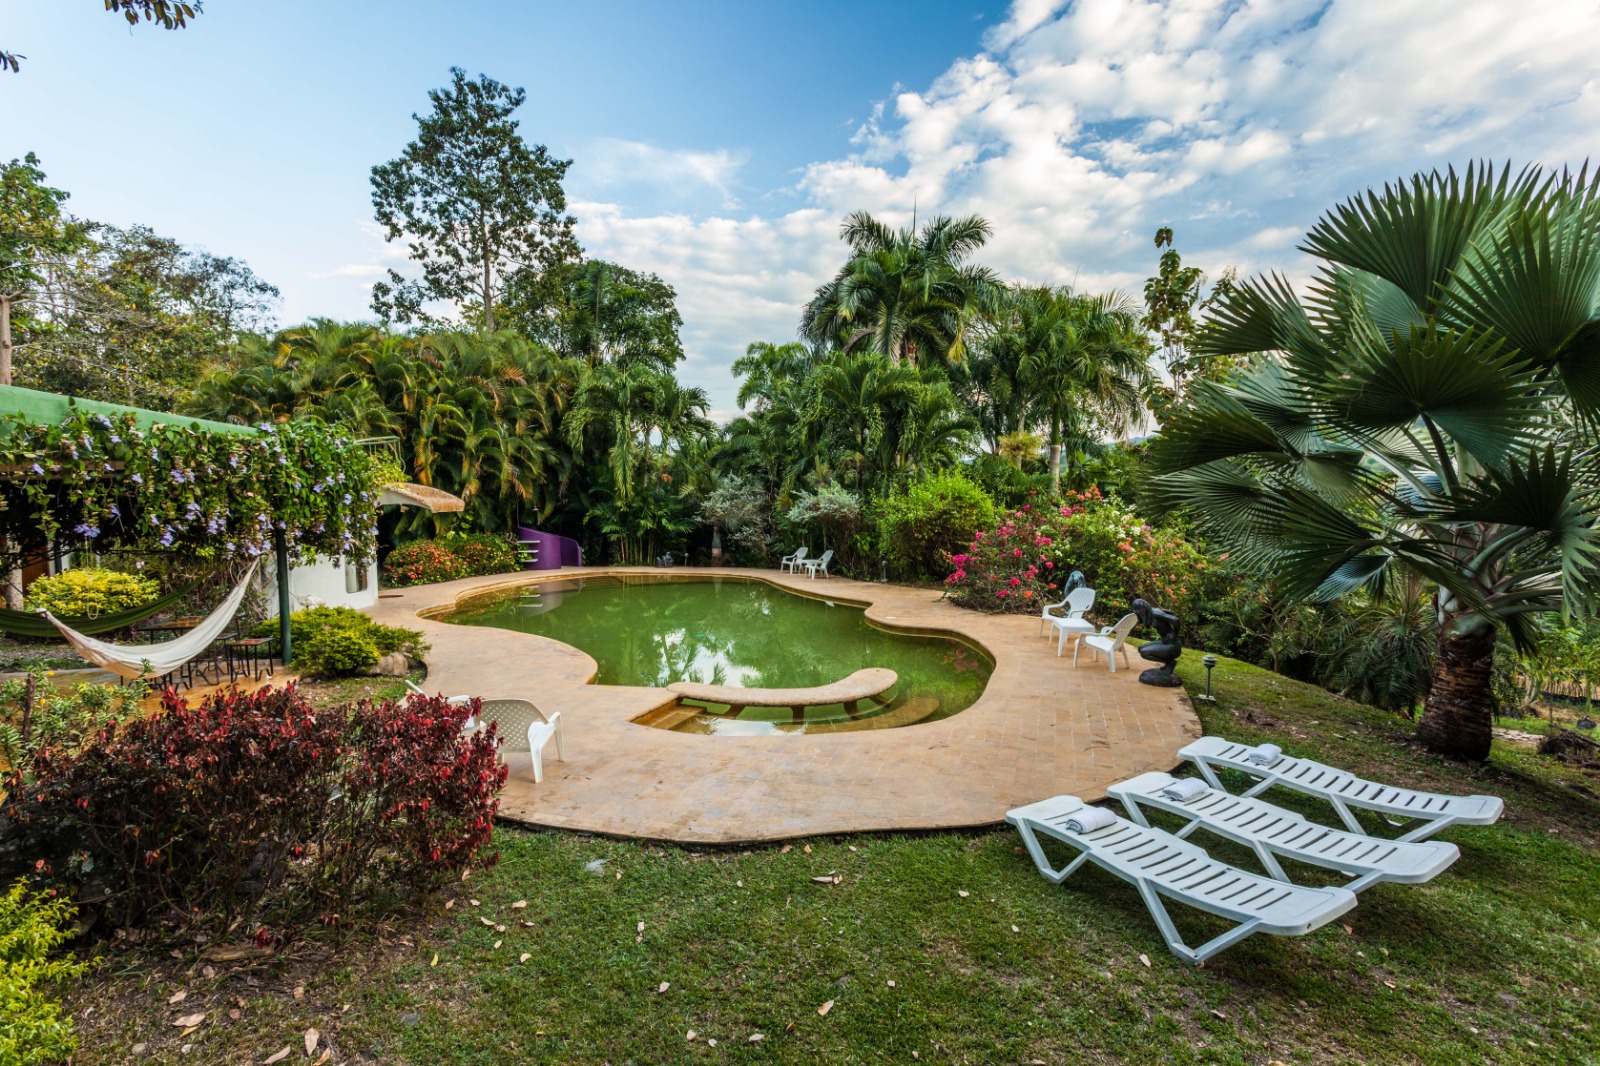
(720, 144)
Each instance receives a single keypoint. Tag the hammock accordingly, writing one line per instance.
(156, 660)
(29, 624)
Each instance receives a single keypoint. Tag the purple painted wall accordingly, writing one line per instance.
(554, 551)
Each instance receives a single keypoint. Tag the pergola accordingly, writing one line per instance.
(48, 408)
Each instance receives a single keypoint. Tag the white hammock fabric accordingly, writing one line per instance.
(129, 660)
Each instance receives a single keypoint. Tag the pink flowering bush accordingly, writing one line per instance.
(1027, 556)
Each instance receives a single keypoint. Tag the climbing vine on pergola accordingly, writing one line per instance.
(102, 482)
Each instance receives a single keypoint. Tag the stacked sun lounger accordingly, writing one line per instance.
(1163, 865)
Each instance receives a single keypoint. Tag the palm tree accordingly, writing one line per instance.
(1084, 364)
(1430, 403)
(909, 294)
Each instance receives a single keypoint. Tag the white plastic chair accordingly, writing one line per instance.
(1077, 603)
(792, 563)
(1159, 864)
(1110, 640)
(1431, 810)
(513, 714)
(819, 563)
(1272, 831)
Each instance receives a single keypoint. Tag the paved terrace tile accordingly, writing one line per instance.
(1041, 728)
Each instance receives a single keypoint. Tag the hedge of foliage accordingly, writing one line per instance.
(923, 526)
(1028, 554)
(423, 562)
(111, 484)
(256, 813)
(33, 1029)
(90, 591)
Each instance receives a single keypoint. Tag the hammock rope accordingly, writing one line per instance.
(134, 661)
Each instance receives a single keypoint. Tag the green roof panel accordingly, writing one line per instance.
(48, 409)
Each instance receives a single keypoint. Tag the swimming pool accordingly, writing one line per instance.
(644, 629)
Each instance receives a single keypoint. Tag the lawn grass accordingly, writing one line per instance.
(1497, 960)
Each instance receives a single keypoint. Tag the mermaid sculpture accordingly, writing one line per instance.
(1165, 649)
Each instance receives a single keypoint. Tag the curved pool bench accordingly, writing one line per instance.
(1040, 729)
(850, 691)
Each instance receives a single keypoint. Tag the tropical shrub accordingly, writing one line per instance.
(89, 591)
(321, 638)
(34, 715)
(336, 652)
(1030, 552)
(923, 526)
(423, 562)
(34, 1031)
(257, 812)
(740, 507)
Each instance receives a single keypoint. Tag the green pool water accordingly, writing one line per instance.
(648, 630)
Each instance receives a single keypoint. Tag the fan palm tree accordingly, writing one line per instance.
(909, 294)
(1429, 403)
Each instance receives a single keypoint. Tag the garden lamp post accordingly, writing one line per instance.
(1209, 662)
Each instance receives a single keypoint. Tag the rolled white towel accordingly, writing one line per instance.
(1186, 789)
(1265, 754)
(1091, 818)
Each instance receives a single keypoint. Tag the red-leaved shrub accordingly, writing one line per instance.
(255, 812)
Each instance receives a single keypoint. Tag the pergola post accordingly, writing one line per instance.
(280, 549)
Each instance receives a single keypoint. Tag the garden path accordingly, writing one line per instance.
(1040, 728)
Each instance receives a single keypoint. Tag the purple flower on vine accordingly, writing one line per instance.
(37, 469)
(86, 530)
(166, 538)
(137, 479)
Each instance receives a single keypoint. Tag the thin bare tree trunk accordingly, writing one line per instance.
(5, 339)
(1458, 717)
(488, 295)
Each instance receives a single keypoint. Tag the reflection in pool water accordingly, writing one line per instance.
(648, 630)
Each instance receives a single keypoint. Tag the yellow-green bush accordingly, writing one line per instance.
(90, 591)
(33, 1028)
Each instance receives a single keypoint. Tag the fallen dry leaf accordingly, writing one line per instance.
(823, 1010)
(190, 1019)
(474, 902)
(1014, 929)
(519, 904)
(786, 849)
(963, 893)
(1146, 960)
(1391, 984)
(891, 984)
(312, 1039)
(499, 928)
(497, 944)
(449, 904)
(487, 921)
(235, 1014)
(641, 927)
(823, 880)
(808, 849)
(276, 1056)
(664, 986)
(525, 957)
(756, 1038)
(435, 961)
(1347, 930)
(178, 997)
(207, 972)
(690, 1035)
(299, 991)
(1221, 1015)
(324, 1057)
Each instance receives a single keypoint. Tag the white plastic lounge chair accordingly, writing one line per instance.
(1159, 864)
(1272, 831)
(1343, 789)
(1110, 640)
(792, 563)
(819, 563)
(514, 714)
(1077, 603)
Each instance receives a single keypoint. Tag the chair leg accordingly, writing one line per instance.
(538, 764)
(1036, 851)
(1077, 646)
(561, 752)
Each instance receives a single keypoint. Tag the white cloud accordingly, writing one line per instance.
(1086, 125)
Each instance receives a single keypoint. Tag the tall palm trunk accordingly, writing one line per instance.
(1055, 457)
(1458, 717)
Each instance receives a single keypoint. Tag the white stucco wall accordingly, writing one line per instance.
(327, 584)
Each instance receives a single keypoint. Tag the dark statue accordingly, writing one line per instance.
(1165, 649)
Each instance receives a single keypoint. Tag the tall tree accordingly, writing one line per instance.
(1429, 406)
(473, 202)
(1176, 301)
(910, 294)
(600, 312)
(33, 235)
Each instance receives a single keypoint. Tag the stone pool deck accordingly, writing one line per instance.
(1040, 728)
